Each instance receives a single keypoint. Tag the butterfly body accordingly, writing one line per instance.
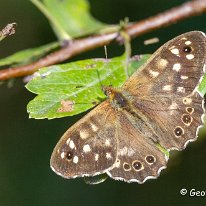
(116, 98)
(158, 109)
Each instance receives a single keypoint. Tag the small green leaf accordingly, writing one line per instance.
(28, 55)
(72, 88)
(162, 149)
(69, 18)
(202, 86)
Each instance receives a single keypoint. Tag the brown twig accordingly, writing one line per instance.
(8, 30)
(186, 10)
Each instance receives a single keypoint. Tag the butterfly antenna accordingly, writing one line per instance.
(105, 52)
(106, 57)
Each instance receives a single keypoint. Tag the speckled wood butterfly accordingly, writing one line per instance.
(158, 109)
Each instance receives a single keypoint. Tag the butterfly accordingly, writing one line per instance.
(158, 109)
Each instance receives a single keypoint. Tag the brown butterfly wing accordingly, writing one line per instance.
(161, 110)
(89, 147)
(138, 158)
(164, 91)
(164, 108)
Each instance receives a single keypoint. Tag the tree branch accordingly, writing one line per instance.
(75, 47)
(8, 30)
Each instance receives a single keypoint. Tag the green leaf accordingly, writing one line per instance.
(69, 18)
(72, 88)
(28, 55)
(202, 86)
(162, 149)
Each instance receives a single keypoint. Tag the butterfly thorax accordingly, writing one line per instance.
(117, 98)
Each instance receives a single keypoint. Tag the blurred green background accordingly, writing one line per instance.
(26, 144)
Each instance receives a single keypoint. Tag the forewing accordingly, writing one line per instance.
(89, 147)
(164, 91)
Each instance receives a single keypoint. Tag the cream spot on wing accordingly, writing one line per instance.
(176, 67)
(130, 152)
(75, 159)
(126, 151)
(181, 89)
(173, 107)
(67, 142)
(184, 77)
(189, 56)
(175, 51)
(188, 42)
(86, 148)
(84, 134)
(162, 63)
(71, 144)
(123, 151)
(107, 142)
(62, 155)
(96, 156)
(187, 100)
(117, 163)
(167, 88)
(94, 127)
(153, 73)
(108, 155)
